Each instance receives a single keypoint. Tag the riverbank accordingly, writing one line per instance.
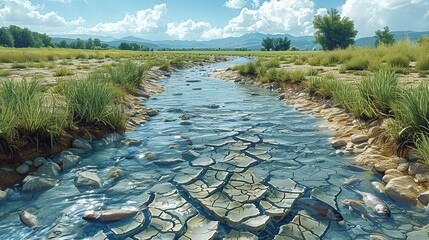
(369, 142)
(17, 165)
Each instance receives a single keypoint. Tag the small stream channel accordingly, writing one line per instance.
(220, 160)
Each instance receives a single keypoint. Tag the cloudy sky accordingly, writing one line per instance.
(206, 19)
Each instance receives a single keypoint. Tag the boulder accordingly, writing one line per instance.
(421, 177)
(424, 198)
(338, 143)
(403, 167)
(131, 142)
(39, 161)
(69, 161)
(403, 189)
(22, 169)
(87, 179)
(37, 184)
(49, 169)
(152, 112)
(385, 165)
(416, 167)
(387, 178)
(394, 172)
(82, 144)
(3, 195)
(359, 138)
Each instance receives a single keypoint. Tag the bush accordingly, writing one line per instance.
(380, 90)
(63, 72)
(357, 63)
(399, 61)
(127, 74)
(411, 113)
(423, 64)
(422, 147)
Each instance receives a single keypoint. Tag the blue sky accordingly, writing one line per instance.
(206, 19)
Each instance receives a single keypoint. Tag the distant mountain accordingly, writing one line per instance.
(251, 41)
(83, 37)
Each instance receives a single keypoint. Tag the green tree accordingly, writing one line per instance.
(333, 32)
(89, 44)
(384, 37)
(281, 44)
(63, 44)
(97, 42)
(267, 43)
(6, 38)
(124, 46)
(80, 44)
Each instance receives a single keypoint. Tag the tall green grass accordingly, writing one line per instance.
(127, 74)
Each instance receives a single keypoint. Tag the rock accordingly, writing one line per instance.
(22, 169)
(418, 235)
(37, 184)
(394, 172)
(131, 142)
(301, 95)
(374, 131)
(338, 143)
(359, 138)
(185, 123)
(77, 151)
(149, 156)
(152, 112)
(29, 162)
(186, 116)
(403, 167)
(212, 106)
(197, 88)
(385, 165)
(58, 159)
(190, 154)
(416, 167)
(39, 161)
(49, 169)
(403, 189)
(413, 156)
(387, 178)
(282, 96)
(115, 172)
(424, 198)
(200, 227)
(82, 144)
(257, 223)
(378, 187)
(87, 179)
(3, 195)
(69, 161)
(422, 177)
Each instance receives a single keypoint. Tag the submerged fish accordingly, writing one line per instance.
(374, 203)
(351, 181)
(357, 205)
(353, 167)
(105, 216)
(321, 208)
(28, 219)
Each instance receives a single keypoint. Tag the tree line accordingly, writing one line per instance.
(14, 36)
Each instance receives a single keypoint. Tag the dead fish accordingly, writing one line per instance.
(374, 203)
(357, 205)
(352, 167)
(105, 216)
(28, 219)
(351, 181)
(321, 208)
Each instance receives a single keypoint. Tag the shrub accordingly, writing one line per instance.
(357, 63)
(411, 113)
(423, 64)
(63, 72)
(89, 100)
(380, 90)
(19, 65)
(299, 62)
(5, 73)
(397, 60)
(127, 74)
(422, 147)
(312, 71)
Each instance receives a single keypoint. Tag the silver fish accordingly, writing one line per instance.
(351, 181)
(321, 208)
(374, 203)
(357, 205)
(105, 216)
(28, 219)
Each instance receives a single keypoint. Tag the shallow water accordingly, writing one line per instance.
(256, 156)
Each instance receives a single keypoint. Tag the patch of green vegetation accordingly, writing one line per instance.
(63, 72)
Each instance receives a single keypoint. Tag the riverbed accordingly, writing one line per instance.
(220, 160)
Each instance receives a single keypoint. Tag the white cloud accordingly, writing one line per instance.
(276, 16)
(255, 3)
(235, 4)
(144, 21)
(370, 15)
(26, 14)
(189, 29)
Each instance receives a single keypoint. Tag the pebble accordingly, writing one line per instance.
(22, 169)
(359, 138)
(39, 161)
(338, 143)
(29, 162)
